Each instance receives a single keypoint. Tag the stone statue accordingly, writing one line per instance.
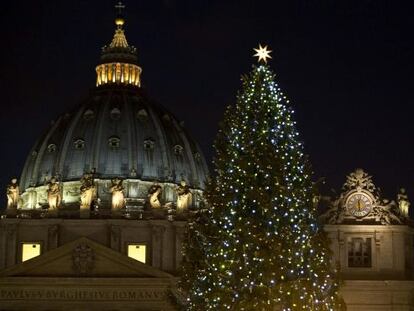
(53, 194)
(87, 191)
(153, 196)
(117, 190)
(13, 194)
(184, 196)
(386, 213)
(403, 203)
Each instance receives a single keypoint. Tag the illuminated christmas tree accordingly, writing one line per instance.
(258, 246)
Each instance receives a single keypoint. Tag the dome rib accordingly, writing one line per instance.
(97, 142)
(130, 134)
(66, 140)
(35, 174)
(166, 161)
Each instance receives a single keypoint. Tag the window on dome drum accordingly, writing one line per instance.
(79, 144)
(142, 115)
(51, 148)
(137, 252)
(149, 151)
(88, 115)
(115, 114)
(197, 157)
(178, 150)
(359, 253)
(149, 144)
(114, 142)
(166, 117)
(30, 250)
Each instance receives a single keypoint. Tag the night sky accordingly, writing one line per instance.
(347, 67)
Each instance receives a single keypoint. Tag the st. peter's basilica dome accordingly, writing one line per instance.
(116, 133)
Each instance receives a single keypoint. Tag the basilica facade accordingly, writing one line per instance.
(97, 219)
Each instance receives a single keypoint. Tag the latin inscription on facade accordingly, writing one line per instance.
(82, 294)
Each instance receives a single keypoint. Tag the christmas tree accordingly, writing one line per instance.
(257, 244)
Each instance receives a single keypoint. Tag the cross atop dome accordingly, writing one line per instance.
(120, 6)
(119, 20)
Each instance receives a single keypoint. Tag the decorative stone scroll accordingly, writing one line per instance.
(359, 180)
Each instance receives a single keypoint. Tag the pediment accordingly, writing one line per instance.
(84, 258)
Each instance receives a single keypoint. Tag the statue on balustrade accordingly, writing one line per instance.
(403, 203)
(184, 197)
(54, 196)
(153, 196)
(87, 191)
(13, 194)
(117, 190)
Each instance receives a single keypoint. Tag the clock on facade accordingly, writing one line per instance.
(359, 204)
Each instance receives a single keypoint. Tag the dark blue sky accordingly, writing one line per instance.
(347, 67)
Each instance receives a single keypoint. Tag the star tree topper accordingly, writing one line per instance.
(262, 53)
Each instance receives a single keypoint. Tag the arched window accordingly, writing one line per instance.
(142, 115)
(51, 148)
(178, 150)
(197, 157)
(79, 144)
(114, 142)
(149, 144)
(88, 115)
(166, 117)
(115, 114)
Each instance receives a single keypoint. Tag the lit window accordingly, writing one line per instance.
(137, 252)
(30, 250)
(359, 253)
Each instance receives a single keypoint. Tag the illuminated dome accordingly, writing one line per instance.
(117, 132)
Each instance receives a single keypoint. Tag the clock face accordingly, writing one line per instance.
(359, 204)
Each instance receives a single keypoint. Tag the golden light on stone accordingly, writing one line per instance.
(137, 252)
(262, 53)
(30, 250)
(119, 21)
(119, 73)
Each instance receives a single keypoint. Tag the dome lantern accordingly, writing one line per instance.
(119, 61)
